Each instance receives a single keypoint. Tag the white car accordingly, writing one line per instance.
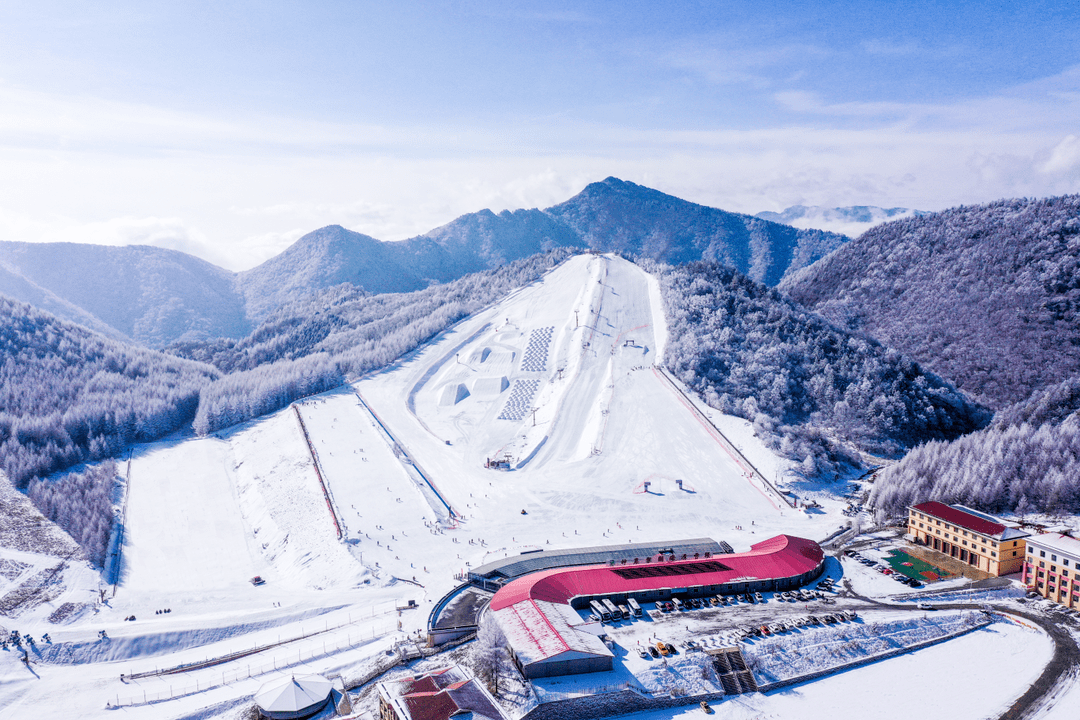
(925, 606)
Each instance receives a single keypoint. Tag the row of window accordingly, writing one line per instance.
(930, 522)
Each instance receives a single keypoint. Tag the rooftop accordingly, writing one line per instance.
(525, 563)
(1065, 544)
(970, 520)
(778, 557)
(439, 695)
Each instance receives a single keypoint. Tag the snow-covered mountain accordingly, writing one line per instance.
(851, 221)
(156, 296)
(986, 295)
(609, 216)
(147, 294)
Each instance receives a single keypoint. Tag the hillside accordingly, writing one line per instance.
(68, 394)
(149, 295)
(1027, 460)
(309, 345)
(751, 352)
(986, 295)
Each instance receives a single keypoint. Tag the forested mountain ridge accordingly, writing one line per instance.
(619, 216)
(149, 295)
(1026, 460)
(68, 394)
(751, 352)
(155, 296)
(986, 295)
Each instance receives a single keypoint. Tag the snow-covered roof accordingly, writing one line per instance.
(293, 694)
(541, 631)
(440, 695)
(1065, 544)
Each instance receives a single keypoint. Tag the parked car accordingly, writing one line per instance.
(663, 648)
(671, 649)
(925, 606)
(653, 651)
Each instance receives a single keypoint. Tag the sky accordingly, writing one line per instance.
(229, 129)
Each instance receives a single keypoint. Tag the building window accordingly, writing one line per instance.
(1053, 558)
(1042, 553)
(1030, 549)
(1065, 562)
(1065, 573)
(1053, 568)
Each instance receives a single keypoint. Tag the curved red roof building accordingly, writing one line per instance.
(543, 632)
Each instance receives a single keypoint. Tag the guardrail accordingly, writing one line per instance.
(318, 472)
(736, 454)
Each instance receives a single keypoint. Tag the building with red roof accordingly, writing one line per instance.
(437, 695)
(547, 637)
(982, 541)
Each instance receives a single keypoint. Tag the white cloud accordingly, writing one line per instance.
(1064, 157)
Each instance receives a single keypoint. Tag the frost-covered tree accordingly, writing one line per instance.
(986, 295)
(804, 382)
(1027, 460)
(81, 503)
(489, 653)
(68, 394)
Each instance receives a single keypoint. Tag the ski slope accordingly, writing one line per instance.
(602, 422)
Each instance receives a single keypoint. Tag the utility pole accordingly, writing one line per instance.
(575, 320)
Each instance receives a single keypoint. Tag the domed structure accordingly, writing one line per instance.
(294, 697)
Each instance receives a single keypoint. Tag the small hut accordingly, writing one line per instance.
(294, 697)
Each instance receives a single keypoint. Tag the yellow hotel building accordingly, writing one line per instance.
(980, 540)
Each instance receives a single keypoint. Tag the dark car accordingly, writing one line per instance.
(653, 651)
(670, 648)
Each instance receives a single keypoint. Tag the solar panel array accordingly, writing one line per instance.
(536, 352)
(641, 571)
(519, 565)
(519, 404)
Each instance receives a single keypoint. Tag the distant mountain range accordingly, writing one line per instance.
(156, 296)
(851, 221)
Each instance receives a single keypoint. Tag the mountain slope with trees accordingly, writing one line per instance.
(154, 296)
(987, 295)
(68, 395)
(1027, 460)
(751, 352)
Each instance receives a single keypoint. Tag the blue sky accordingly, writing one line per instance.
(229, 129)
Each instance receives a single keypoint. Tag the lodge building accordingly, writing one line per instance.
(980, 540)
(1052, 568)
